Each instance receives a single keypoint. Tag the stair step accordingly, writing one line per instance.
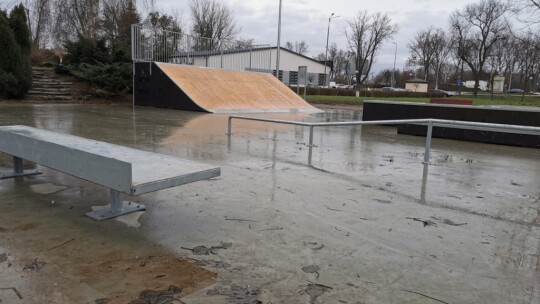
(67, 84)
(48, 92)
(52, 87)
(49, 97)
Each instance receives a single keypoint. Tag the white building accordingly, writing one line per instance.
(259, 59)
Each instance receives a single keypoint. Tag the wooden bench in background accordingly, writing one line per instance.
(121, 169)
(453, 101)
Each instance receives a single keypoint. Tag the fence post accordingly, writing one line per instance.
(428, 143)
(229, 126)
(310, 152)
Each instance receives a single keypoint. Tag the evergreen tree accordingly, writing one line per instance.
(11, 57)
(19, 25)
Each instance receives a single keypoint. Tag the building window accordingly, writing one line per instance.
(293, 77)
(280, 76)
(322, 79)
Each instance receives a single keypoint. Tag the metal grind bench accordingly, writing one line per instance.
(121, 169)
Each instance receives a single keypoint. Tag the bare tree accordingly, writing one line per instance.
(39, 21)
(242, 43)
(429, 49)
(476, 29)
(214, 20)
(298, 47)
(422, 50)
(115, 22)
(76, 18)
(530, 9)
(8, 4)
(528, 60)
(442, 46)
(365, 35)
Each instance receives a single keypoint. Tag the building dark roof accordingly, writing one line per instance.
(416, 80)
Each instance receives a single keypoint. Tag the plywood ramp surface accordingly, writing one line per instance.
(221, 91)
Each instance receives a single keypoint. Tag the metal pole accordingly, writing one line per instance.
(17, 165)
(311, 136)
(326, 53)
(428, 143)
(310, 153)
(278, 41)
(229, 126)
(116, 203)
(394, 70)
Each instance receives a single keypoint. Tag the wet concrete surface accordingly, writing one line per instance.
(367, 220)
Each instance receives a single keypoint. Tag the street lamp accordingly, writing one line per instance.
(327, 36)
(394, 70)
(278, 41)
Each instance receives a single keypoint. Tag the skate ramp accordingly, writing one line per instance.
(216, 91)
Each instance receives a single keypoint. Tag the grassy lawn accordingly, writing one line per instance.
(478, 101)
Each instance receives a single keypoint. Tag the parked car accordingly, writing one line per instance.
(390, 89)
(514, 91)
(438, 91)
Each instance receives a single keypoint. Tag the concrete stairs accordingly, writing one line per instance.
(47, 85)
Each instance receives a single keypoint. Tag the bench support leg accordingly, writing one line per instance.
(117, 208)
(18, 169)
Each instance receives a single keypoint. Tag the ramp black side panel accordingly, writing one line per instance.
(511, 116)
(154, 89)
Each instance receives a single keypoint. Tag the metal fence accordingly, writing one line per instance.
(151, 44)
(430, 123)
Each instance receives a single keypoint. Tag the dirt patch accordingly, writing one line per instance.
(65, 258)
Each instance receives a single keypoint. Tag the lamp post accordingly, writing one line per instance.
(278, 41)
(394, 70)
(327, 36)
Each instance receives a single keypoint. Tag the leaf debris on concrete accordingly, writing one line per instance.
(425, 222)
(158, 296)
(237, 294)
(316, 290)
(35, 265)
(203, 250)
(312, 269)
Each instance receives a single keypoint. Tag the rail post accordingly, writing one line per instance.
(428, 143)
(229, 126)
(310, 151)
(311, 135)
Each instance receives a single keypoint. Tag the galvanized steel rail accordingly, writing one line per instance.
(430, 122)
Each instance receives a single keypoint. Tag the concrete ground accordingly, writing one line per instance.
(365, 223)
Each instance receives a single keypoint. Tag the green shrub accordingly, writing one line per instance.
(115, 77)
(62, 70)
(86, 50)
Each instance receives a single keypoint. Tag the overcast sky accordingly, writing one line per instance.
(308, 20)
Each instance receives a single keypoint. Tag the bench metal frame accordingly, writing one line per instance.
(18, 169)
(430, 123)
(119, 168)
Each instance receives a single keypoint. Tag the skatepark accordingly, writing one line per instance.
(366, 222)
(167, 200)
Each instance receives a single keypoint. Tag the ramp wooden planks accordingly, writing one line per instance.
(221, 91)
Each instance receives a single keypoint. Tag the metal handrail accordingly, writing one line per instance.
(430, 122)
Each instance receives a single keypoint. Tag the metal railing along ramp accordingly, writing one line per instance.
(429, 122)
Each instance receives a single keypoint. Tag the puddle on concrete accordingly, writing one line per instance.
(47, 188)
(363, 211)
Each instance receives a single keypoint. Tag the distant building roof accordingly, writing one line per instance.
(238, 51)
(416, 80)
